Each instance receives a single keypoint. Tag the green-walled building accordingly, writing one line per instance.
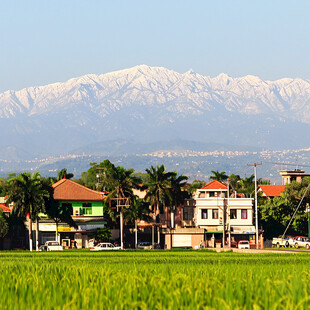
(87, 207)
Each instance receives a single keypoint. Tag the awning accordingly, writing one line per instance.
(214, 231)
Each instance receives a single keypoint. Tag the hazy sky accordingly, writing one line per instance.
(49, 41)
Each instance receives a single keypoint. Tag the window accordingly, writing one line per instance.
(202, 195)
(244, 214)
(211, 194)
(204, 214)
(215, 214)
(233, 214)
(66, 205)
(86, 208)
(185, 214)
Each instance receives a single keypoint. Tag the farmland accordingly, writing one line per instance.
(154, 280)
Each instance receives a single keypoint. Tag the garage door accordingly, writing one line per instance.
(182, 241)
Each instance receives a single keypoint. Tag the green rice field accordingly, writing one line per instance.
(154, 280)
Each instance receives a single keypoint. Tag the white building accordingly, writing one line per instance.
(221, 215)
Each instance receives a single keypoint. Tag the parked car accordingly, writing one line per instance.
(243, 244)
(301, 242)
(145, 245)
(104, 246)
(285, 242)
(51, 246)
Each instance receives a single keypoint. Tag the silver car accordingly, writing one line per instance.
(243, 244)
(105, 246)
(145, 245)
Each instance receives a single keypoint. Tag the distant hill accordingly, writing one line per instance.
(13, 153)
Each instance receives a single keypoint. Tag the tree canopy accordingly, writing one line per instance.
(219, 176)
(276, 213)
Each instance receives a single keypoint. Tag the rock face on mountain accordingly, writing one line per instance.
(153, 103)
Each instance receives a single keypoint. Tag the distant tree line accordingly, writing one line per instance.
(32, 195)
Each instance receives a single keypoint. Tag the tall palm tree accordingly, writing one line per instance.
(247, 186)
(219, 176)
(159, 188)
(27, 193)
(138, 210)
(178, 194)
(120, 183)
(64, 174)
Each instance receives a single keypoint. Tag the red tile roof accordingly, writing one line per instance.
(5, 208)
(68, 190)
(215, 185)
(272, 190)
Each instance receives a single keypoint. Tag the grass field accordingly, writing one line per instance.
(154, 280)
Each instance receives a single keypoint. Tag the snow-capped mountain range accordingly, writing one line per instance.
(153, 103)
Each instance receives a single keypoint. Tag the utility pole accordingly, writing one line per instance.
(121, 228)
(256, 213)
(121, 202)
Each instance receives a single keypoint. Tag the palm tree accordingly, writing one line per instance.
(64, 174)
(27, 193)
(178, 194)
(138, 210)
(247, 186)
(159, 188)
(120, 183)
(219, 176)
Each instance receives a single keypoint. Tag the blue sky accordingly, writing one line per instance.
(49, 41)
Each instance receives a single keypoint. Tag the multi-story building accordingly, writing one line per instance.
(222, 215)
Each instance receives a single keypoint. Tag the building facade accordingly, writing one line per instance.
(288, 176)
(225, 219)
(87, 214)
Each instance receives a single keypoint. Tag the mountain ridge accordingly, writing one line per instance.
(161, 85)
(151, 103)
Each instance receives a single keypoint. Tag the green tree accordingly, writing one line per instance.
(276, 213)
(4, 226)
(94, 178)
(142, 176)
(159, 188)
(63, 173)
(219, 176)
(138, 210)
(196, 184)
(178, 193)
(234, 182)
(27, 193)
(119, 182)
(3, 187)
(103, 234)
(247, 186)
